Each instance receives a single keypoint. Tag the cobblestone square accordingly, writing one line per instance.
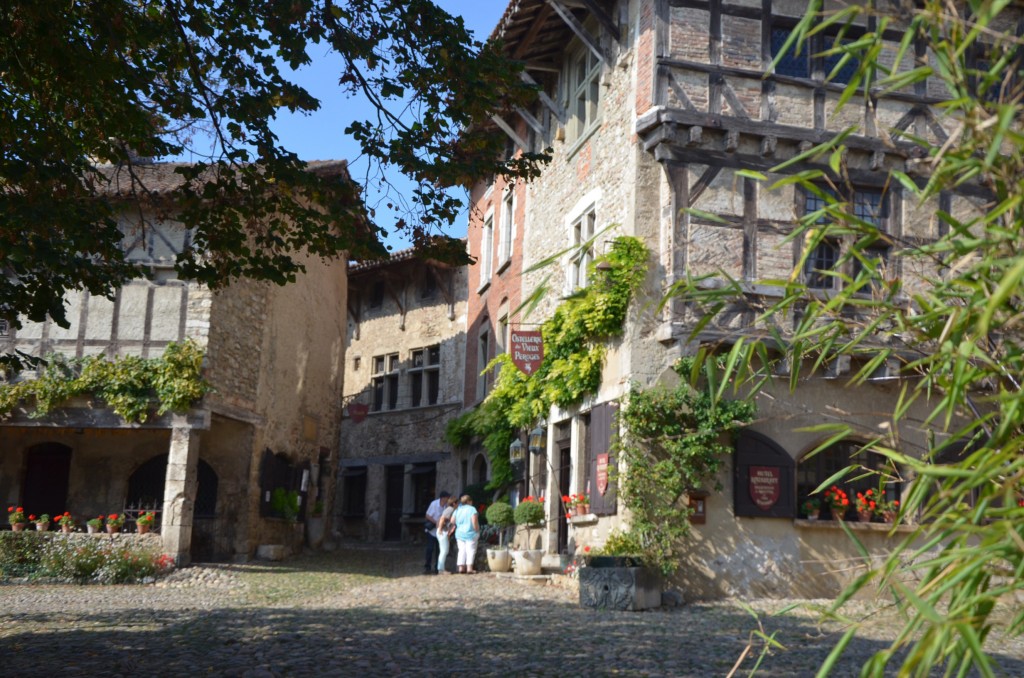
(367, 611)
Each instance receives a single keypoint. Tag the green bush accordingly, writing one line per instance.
(500, 514)
(19, 553)
(529, 513)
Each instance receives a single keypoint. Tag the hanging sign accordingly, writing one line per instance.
(765, 482)
(602, 474)
(527, 350)
(357, 412)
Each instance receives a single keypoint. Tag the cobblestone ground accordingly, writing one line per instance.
(368, 612)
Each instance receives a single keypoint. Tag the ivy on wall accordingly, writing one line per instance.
(128, 385)
(573, 358)
(674, 441)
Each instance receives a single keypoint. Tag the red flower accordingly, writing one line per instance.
(896, 503)
(586, 549)
(20, 509)
(529, 498)
(871, 504)
(565, 499)
(31, 516)
(846, 502)
(10, 509)
(112, 516)
(542, 499)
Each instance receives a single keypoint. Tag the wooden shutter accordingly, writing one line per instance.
(602, 427)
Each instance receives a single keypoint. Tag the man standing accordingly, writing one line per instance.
(433, 515)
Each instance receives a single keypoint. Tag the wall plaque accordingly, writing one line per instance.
(602, 473)
(765, 482)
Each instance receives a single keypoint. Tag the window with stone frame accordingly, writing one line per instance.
(813, 470)
(425, 376)
(353, 492)
(583, 250)
(507, 227)
(867, 207)
(375, 300)
(384, 382)
(487, 251)
(483, 356)
(584, 92)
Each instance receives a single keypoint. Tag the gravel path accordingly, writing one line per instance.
(367, 612)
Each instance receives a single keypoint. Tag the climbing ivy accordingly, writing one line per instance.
(573, 357)
(128, 385)
(672, 442)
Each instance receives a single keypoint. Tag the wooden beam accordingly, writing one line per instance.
(602, 18)
(530, 120)
(552, 105)
(509, 131)
(702, 184)
(577, 28)
(527, 40)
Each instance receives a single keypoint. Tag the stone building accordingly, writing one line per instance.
(651, 107)
(406, 352)
(273, 355)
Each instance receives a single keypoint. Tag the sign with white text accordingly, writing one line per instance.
(527, 350)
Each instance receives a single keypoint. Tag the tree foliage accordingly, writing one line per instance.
(89, 87)
(952, 324)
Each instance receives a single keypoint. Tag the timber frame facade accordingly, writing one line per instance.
(650, 108)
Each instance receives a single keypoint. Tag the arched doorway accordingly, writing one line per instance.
(146, 489)
(47, 471)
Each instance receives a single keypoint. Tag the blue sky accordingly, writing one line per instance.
(320, 136)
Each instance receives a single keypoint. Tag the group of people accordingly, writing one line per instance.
(447, 516)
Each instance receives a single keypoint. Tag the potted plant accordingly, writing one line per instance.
(529, 514)
(144, 522)
(315, 525)
(16, 517)
(837, 501)
(114, 523)
(94, 524)
(569, 502)
(66, 523)
(582, 504)
(616, 578)
(811, 507)
(500, 516)
(888, 509)
(42, 522)
(867, 504)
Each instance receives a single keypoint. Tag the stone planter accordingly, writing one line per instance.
(315, 531)
(528, 563)
(619, 588)
(499, 559)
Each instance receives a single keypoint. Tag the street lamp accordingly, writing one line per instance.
(516, 455)
(537, 440)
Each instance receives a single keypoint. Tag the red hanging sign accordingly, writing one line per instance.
(357, 412)
(527, 350)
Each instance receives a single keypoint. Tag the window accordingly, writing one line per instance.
(813, 471)
(507, 226)
(281, 485)
(866, 206)
(501, 335)
(584, 92)
(384, 382)
(487, 251)
(353, 492)
(5, 328)
(428, 286)
(483, 355)
(425, 375)
(376, 299)
(799, 61)
(582, 233)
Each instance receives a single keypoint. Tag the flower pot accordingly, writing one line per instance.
(813, 515)
(889, 516)
(584, 509)
(18, 527)
(144, 529)
(91, 529)
(864, 516)
(113, 529)
(528, 563)
(499, 560)
(66, 529)
(42, 527)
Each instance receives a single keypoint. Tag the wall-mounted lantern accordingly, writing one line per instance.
(516, 455)
(538, 442)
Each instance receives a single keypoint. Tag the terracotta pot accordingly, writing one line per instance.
(66, 529)
(18, 527)
(144, 529)
(584, 509)
(91, 529)
(813, 515)
(42, 527)
(113, 529)
(864, 516)
(889, 516)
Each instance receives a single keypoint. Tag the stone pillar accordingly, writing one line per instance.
(180, 493)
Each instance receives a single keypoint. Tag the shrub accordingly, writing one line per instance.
(19, 553)
(499, 516)
(77, 559)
